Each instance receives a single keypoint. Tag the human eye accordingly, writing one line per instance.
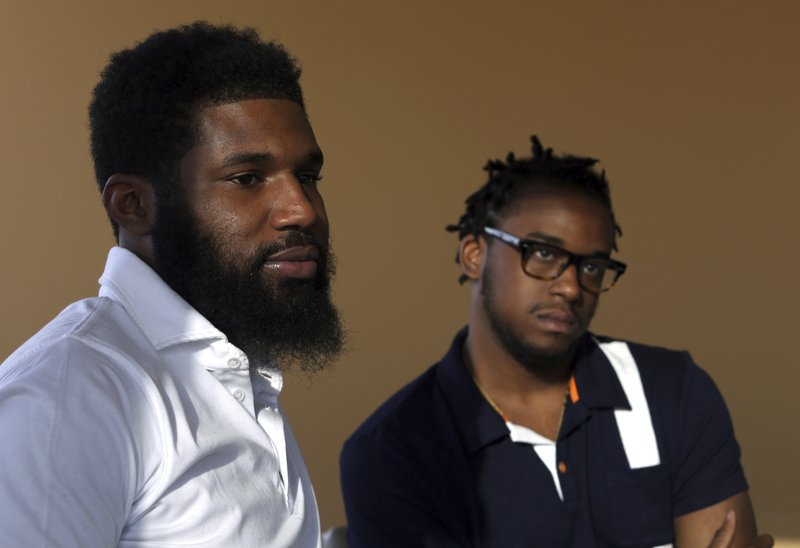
(246, 179)
(309, 178)
(594, 269)
(542, 253)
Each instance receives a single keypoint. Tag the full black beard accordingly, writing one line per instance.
(533, 359)
(279, 324)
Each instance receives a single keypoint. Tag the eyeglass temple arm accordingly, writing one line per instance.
(507, 238)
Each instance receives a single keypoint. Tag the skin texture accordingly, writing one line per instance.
(243, 234)
(729, 523)
(252, 176)
(544, 319)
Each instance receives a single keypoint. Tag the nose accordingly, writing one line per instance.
(296, 206)
(566, 285)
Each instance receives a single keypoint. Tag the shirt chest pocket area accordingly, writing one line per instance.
(633, 507)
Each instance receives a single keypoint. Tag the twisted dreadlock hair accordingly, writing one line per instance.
(488, 204)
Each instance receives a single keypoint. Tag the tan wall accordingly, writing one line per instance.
(694, 110)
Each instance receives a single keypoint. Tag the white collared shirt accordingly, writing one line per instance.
(129, 420)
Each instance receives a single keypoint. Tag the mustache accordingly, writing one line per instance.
(544, 308)
(294, 238)
(549, 307)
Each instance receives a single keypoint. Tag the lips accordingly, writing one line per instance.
(294, 262)
(558, 320)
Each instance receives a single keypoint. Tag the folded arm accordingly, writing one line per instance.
(727, 524)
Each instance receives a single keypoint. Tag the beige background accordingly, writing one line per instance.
(693, 110)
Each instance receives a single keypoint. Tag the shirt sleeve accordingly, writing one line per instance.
(67, 472)
(708, 459)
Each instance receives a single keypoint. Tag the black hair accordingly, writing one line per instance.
(142, 113)
(489, 203)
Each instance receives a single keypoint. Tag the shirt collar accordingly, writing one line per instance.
(480, 425)
(595, 379)
(164, 317)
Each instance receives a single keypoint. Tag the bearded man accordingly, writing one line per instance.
(149, 415)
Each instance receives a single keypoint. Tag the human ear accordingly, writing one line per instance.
(470, 256)
(130, 202)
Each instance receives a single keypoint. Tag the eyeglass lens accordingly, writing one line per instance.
(546, 262)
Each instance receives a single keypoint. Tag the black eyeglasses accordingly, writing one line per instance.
(547, 262)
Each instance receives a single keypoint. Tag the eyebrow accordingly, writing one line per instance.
(554, 240)
(546, 238)
(247, 158)
(265, 157)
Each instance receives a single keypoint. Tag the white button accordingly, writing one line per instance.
(234, 363)
(238, 394)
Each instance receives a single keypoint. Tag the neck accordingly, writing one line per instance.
(521, 394)
(491, 362)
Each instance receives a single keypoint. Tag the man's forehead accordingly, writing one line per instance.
(541, 194)
(274, 127)
(541, 206)
(245, 114)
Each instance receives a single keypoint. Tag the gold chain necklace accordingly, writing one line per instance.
(499, 411)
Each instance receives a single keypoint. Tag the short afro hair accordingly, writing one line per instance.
(142, 113)
(489, 203)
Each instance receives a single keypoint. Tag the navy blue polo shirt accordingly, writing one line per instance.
(435, 466)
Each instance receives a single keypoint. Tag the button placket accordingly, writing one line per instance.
(236, 376)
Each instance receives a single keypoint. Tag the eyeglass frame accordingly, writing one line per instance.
(523, 245)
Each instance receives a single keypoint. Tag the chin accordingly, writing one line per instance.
(543, 355)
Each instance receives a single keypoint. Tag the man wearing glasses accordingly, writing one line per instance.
(531, 431)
